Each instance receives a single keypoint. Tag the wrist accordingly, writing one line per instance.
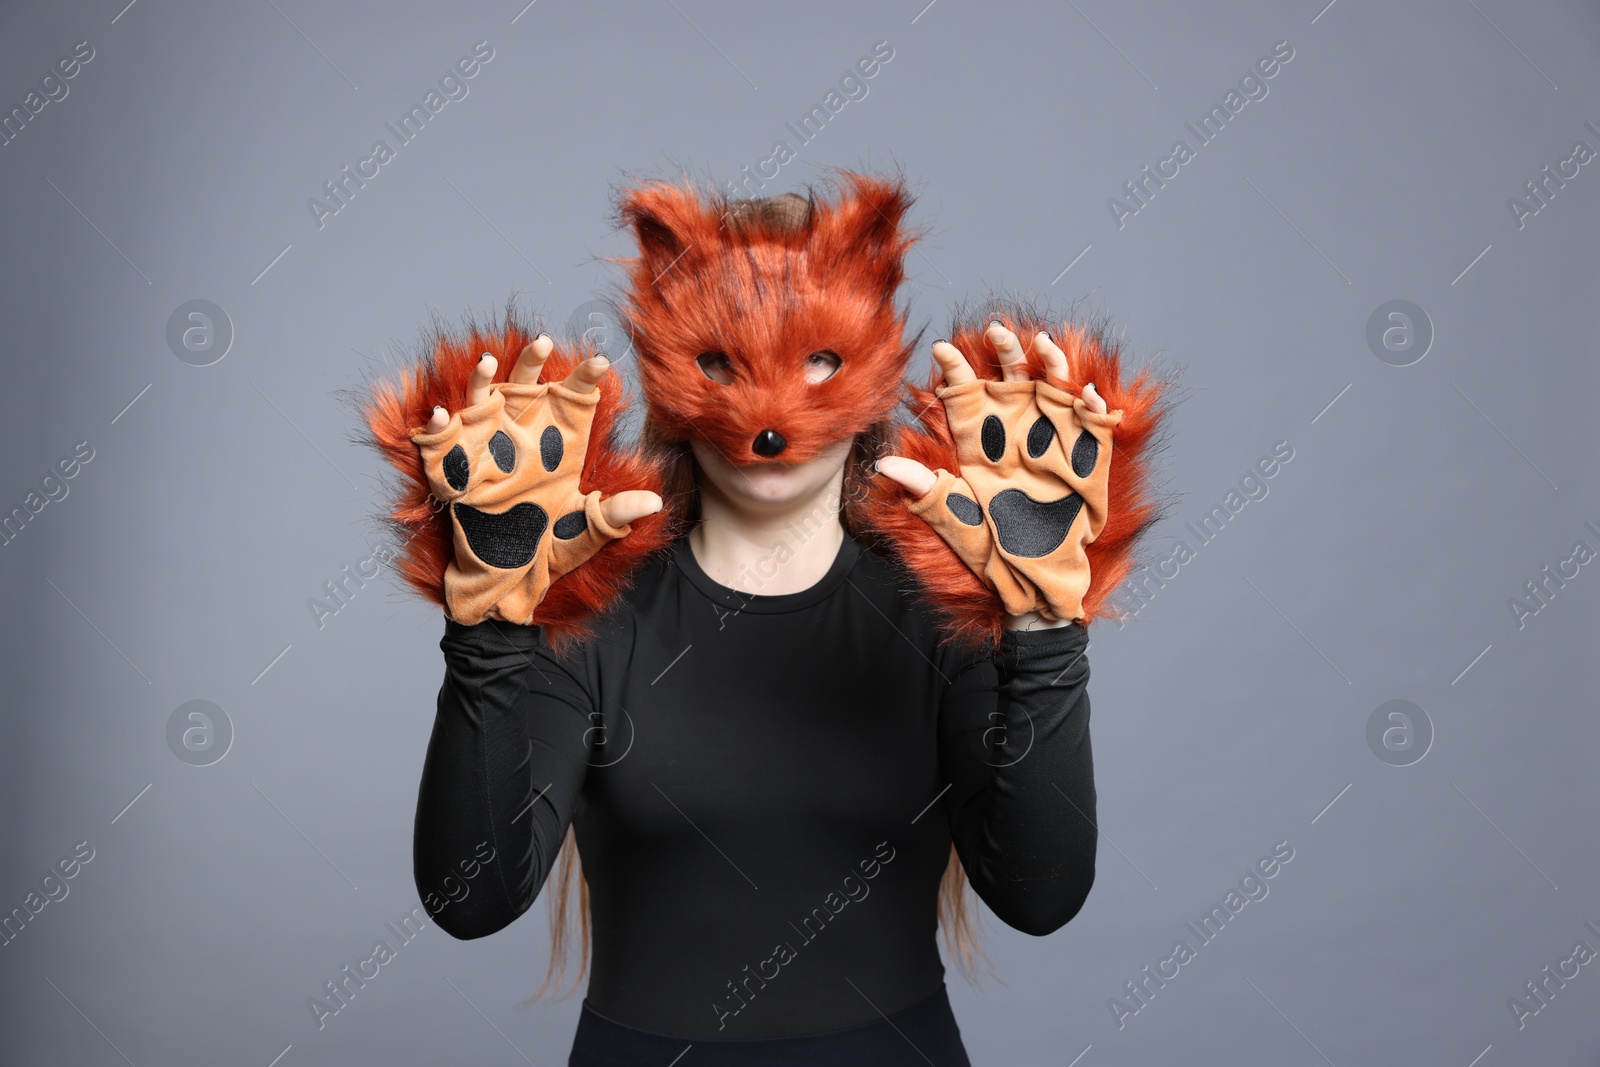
(1032, 620)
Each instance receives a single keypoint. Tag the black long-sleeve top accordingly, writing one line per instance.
(764, 789)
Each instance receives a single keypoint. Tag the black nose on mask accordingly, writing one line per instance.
(769, 443)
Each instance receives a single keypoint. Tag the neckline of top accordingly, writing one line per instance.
(767, 603)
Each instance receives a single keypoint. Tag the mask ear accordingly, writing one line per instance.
(661, 219)
(875, 207)
(865, 229)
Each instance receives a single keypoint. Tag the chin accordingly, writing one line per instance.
(773, 483)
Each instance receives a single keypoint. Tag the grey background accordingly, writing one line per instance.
(1227, 716)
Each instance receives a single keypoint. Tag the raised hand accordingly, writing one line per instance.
(1033, 485)
(508, 465)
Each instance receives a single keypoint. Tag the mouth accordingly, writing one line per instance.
(1032, 528)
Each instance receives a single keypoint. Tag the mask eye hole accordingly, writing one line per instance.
(716, 366)
(820, 366)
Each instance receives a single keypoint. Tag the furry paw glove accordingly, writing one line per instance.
(1031, 507)
(508, 469)
(1032, 492)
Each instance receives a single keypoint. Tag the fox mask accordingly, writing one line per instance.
(736, 315)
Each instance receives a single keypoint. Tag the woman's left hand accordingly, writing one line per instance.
(1033, 482)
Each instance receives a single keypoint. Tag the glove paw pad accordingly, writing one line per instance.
(551, 448)
(456, 468)
(571, 525)
(507, 541)
(1040, 434)
(1032, 528)
(1085, 451)
(964, 508)
(503, 451)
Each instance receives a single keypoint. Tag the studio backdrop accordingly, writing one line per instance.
(1344, 735)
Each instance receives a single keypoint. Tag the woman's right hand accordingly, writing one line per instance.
(508, 465)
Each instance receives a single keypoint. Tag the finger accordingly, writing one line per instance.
(478, 384)
(952, 364)
(913, 476)
(586, 375)
(531, 361)
(439, 420)
(1096, 402)
(1055, 360)
(623, 508)
(1013, 360)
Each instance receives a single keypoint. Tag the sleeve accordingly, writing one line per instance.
(1014, 741)
(504, 766)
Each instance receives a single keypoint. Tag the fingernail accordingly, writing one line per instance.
(600, 360)
(437, 410)
(484, 357)
(544, 335)
(942, 341)
(997, 322)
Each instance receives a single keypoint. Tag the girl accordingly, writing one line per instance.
(780, 706)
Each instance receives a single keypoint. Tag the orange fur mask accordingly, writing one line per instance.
(767, 291)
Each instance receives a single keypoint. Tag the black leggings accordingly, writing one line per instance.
(919, 1035)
